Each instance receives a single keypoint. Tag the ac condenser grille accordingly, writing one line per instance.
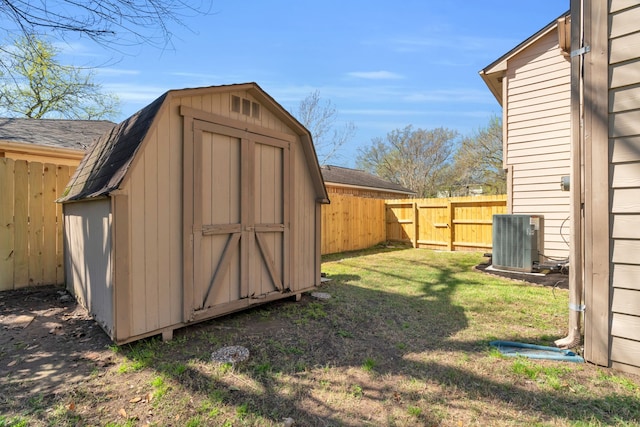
(515, 242)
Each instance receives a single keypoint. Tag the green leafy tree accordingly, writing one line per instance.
(417, 159)
(478, 161)
(320, 117)
(35, 85)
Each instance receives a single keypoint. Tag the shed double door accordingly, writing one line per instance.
(240, 231)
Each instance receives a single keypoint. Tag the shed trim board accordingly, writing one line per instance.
(210, 211)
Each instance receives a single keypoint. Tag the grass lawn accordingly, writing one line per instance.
(403, 341)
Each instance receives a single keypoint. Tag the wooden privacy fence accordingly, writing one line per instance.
(451, 224)
(351, 223)
(31, 247)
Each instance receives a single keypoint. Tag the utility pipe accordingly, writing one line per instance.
(576, 196)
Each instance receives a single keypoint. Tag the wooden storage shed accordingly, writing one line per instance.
(205, 202)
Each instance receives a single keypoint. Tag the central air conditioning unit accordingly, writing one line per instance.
(516, 242)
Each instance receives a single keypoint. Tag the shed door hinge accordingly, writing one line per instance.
(581, 51)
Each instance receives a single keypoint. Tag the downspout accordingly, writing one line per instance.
(576, 197)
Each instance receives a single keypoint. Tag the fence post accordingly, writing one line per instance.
(450, 225)
(7, 226)
(416, 218)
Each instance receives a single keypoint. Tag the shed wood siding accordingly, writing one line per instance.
(624, 146)
(199, 170)
(537, 118)
(155, 226)
(89, 270)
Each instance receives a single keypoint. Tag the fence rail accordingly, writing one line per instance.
(452, 224)
(31, 247)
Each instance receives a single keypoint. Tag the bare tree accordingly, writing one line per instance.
(417, 159)
(319, 116)
(479, 159)
(36, 85)
(108, 22)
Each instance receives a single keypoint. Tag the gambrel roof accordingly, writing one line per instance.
(106, 164)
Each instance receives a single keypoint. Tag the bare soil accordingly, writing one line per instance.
(48, 343)
(550, 279)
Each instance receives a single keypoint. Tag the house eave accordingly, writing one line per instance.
(41, 150)
(493, 73)
(362, 187)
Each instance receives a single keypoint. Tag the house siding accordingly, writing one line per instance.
(537, 129)
(624, 146)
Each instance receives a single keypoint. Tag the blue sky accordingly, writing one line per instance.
(383, 64)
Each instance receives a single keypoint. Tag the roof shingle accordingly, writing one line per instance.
(359, 178)
(75, 134)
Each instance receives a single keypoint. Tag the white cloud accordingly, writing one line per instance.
(134, 93)
(449, 95)
(117, 72)
(200, 76)
(376, 75)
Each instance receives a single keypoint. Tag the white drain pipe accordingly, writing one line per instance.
(576, 195)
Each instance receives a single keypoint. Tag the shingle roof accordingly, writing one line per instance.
(76, 134)
(105, 165)
(360, 178)
(103, 168)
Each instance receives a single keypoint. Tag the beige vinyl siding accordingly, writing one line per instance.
(624, 134)
(537, 117)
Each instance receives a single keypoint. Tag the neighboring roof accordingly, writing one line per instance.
(492, 74)
(68, 134)
(361, 179)
(106, 164)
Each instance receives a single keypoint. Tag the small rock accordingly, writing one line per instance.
(232, 354)
(288, 422)
(320, 295)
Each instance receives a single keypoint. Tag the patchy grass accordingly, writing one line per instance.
(402, 341)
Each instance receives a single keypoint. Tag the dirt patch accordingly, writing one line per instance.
(550, 279)
(48, 343)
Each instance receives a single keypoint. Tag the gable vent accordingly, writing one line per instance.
(245, 107)
(235, 104)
